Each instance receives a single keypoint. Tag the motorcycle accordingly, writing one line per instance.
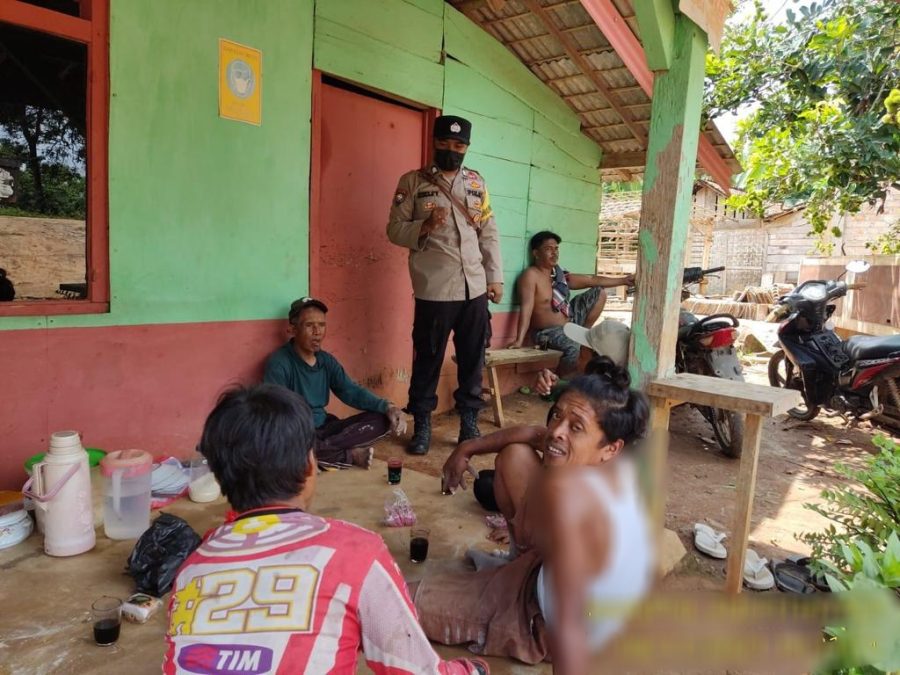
(851, 377)
(706, 347)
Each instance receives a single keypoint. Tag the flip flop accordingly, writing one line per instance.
(756, 575)
(816, 580)
(792, 578)
(708, 541)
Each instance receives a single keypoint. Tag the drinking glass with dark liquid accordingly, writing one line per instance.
(395, 470)
(106, 614)
(418, 544)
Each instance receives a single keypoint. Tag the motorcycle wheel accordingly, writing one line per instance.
(728, 426)
(781, 374)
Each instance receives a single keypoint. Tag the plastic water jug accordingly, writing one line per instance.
(126, 502)
(60, 487)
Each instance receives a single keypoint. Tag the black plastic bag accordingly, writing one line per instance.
(160, 552)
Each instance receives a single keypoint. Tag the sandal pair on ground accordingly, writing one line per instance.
(757, 575)
(793, 575)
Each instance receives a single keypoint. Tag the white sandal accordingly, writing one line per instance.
(756, 573)
(708, 541)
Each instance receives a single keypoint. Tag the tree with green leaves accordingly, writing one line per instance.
(52, 150)
(824, 94)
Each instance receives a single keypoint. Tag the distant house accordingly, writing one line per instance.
(755, 251)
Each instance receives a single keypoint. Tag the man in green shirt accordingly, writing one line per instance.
(301, 366)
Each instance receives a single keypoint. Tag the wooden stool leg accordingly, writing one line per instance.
(658, 447)
(496, 401)
(746, 484)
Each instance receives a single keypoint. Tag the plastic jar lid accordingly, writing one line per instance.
(14, 528)
(132, 462)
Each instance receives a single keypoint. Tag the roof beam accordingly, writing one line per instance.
(560, 57)
(585, 66)
(623, 160)
(619, 35)
(710, 15)
(518, 41)
(657, 21)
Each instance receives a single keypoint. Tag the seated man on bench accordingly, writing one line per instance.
(301, 366)
(544, 293)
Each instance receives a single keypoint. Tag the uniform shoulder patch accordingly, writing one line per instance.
(400, 196)
(470, 173)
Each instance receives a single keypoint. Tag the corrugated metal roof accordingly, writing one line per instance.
(529, 38)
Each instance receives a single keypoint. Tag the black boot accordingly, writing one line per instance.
(468, 424)
(421, 439)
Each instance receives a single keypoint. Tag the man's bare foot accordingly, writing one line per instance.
(362, 457)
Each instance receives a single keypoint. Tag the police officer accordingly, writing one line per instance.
(443, 215)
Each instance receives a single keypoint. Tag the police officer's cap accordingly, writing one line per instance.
(451, 126)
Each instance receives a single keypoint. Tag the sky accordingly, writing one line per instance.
(776, 9)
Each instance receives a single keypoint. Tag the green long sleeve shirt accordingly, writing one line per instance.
(315, 383)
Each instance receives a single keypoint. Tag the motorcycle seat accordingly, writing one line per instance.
(864, 347)
(685, 332)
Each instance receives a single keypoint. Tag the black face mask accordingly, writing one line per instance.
(448, 160)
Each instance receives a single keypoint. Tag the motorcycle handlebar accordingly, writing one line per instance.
(777, 314)
(692, 275)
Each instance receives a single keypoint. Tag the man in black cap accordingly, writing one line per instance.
(301, 366)
(442, 214)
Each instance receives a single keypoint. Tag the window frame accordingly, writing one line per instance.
(90, 28)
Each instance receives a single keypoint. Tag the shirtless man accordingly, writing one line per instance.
(544, 290)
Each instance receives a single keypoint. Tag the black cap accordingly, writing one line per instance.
(298, 306)
(451, 126)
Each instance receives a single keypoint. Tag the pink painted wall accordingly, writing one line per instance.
(149, 387)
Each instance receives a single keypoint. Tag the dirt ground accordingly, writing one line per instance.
(796, 463)
(39, 254)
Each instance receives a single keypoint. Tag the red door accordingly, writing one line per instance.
(362, 145)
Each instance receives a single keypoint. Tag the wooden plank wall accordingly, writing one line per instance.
(789, 240)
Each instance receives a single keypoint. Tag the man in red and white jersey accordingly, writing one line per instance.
(277, 589)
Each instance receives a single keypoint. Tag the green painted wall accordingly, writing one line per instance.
(540, 170)
(209, 218)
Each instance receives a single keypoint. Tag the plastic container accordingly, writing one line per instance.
(126, 502)
(60, 489)
(203, 486)
(94, 457)
(15, 528)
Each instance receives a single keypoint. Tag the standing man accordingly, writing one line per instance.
(546, 305)
(443, 215)
(301, 366)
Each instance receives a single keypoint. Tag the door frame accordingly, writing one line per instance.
(429, 114)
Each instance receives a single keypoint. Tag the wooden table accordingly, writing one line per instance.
(757, 402)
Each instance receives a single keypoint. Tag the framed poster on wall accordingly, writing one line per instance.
(240, 82)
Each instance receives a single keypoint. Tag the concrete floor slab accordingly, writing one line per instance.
(45, 623)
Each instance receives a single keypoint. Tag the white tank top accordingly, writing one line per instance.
(629, 572)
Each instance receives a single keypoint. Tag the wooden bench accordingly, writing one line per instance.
(754, 400)
(494, 358)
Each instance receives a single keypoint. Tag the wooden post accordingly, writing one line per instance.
(746, 486)
(666, 204)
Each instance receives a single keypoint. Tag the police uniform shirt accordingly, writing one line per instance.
(458, 254)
